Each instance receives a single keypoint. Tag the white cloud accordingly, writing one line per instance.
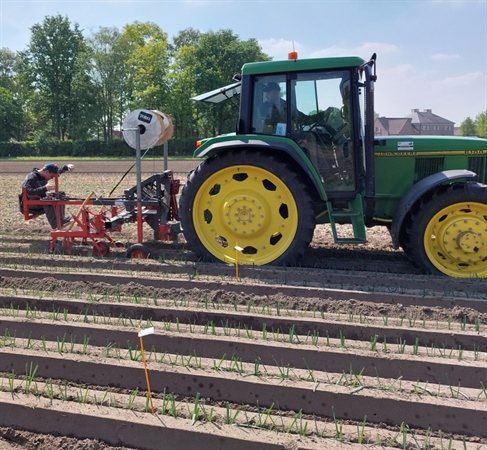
(376, 47)
(445, 57)
(404, 87)
(468, 79)
(331, 51)
(279, 48)
(365, 50)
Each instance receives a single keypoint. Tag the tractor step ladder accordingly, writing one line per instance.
(353, 214)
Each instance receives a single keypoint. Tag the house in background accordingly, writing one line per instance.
(416, 123)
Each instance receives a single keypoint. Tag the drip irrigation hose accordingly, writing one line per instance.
(125, 174)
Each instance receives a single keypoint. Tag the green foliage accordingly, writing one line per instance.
(17, 149)
(11, 116)
(16, 117)
(481, 124)
(8, 61)
(182, 81)
(108, 68)
(203, 62)
(467, 127)
(217, 58)
(117, 148)
(147, 62)
(50, 65)
(477, 127)
(72, 88)
(181, 147)
(76, 89)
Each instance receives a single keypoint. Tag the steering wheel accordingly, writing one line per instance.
(322, 127)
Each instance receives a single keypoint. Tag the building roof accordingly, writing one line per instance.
(427, 117)
(395, 126)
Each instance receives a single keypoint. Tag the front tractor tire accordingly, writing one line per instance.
(447, 232)
(247, 202)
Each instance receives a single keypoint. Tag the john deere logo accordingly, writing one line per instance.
(145, 117)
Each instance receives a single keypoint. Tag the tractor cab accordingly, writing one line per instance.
(325, 107)
(314, 109)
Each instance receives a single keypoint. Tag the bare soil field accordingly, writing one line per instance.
(351, 349)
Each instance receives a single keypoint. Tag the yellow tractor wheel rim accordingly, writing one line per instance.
(455, 240)
(248, 207)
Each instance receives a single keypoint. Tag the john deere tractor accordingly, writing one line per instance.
(304, 153)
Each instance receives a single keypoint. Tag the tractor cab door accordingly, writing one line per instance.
(313, 109)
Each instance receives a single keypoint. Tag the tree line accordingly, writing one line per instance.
(66, 91)
(68, 87)
(475, 127)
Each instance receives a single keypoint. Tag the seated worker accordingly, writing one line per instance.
(273, 111)
(37, 184)
(274, 108)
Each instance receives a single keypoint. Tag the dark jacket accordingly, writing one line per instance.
(35, 184)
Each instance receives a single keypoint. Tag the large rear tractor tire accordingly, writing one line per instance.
(447, 232)
(247, 202)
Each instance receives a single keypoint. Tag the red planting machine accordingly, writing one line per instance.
(152, 200)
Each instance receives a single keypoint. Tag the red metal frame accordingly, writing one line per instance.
(90, 227)
(89, 224)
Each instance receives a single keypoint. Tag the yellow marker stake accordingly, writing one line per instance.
(145, 332)
(237, 249)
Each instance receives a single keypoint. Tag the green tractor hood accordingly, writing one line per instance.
(433, 145)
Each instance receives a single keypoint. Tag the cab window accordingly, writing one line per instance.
(269, 112)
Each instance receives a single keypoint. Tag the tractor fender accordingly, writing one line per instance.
(276, 144)
(417, 191)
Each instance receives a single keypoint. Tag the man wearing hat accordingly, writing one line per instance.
(273, 109)
(37, 184)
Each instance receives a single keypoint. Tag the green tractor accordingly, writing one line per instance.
(304, 153)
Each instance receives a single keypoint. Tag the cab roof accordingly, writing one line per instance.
(291, 65)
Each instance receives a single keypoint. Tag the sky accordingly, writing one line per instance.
(431, 54)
